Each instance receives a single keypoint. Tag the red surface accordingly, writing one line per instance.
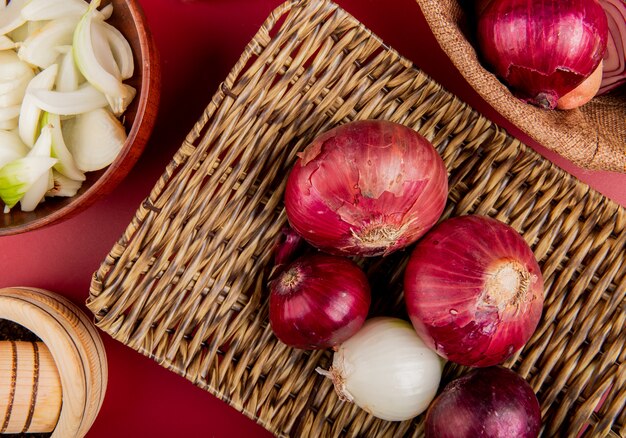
(199, 42)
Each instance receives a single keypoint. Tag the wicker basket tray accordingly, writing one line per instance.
(185, 284)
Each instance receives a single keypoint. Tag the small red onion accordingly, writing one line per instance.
(473, 290)
(542, 49)
(318, 302)
(614, 65)
(487, 402)
(366, 188)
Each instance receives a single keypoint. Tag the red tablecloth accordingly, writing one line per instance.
(199, 42)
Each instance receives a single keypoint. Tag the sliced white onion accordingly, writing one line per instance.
(9, 113)
(6, 43)
(43, 145)
(386, 369)
(63, 186)
(11, 67)
(15, 95)
(107, 11)
(39, 48)
(10, 85)
(94, 139)
(102, 48)
(67, 103)
(9, 124)
(119, 105)
(19, 175)
(30, 112)
(89, 60)
(11, 17)
(66, 164)
(37, 10)
(69, 78)
(11, 147)
(36, 192)
(122, 52)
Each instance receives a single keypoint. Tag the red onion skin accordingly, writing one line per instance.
(473, 290)
(542, 49)
(318, 302)
(487, 402)
(366, 188)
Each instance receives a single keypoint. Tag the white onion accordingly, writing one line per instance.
(386, 369)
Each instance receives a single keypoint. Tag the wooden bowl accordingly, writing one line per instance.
(139, 119)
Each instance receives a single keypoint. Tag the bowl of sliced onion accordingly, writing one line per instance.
(79, 92)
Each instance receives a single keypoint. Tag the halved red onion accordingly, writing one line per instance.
(614, 65)
(318, 301)
(486, 402)
(473, 290)
(366, 188)
(542, 49)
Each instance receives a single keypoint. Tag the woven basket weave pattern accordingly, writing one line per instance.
(185, 284)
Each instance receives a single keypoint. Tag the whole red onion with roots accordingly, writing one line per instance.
(473, 290)
(542, 49)
(366, 188)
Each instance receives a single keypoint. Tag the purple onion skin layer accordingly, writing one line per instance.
(318, 302)
(542, 49)
(473, 290)
(366, 188)
(490, 402)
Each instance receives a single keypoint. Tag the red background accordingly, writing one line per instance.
(199, 42)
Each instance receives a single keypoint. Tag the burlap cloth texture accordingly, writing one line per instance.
(592, 137)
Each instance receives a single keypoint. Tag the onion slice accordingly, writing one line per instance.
(6, 43)
(15, 95)
(19, 175)
(9, 112)
(11, 147)
(89, 59)
(37, 10)
(36, 192)
(39, 48)
(120, 49)
(30, 112)
(11, 17)
(67, 103)
(11, 67)
(63, 186)
(69, 78)
(94, 138)
(66, 164)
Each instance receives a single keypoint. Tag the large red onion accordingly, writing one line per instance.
(614, 65)
(487, 402)
(318, 301)
(473, 290)
(366, 188)
(542, 48)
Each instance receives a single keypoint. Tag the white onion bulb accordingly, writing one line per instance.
(386, 369)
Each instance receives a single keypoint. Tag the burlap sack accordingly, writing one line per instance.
(593, 137)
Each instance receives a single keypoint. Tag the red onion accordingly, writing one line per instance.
(366, 188)
(318, 301)
(542, 48)
(289, 245)
(614, 66)
(487, 402)
(473, 290)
